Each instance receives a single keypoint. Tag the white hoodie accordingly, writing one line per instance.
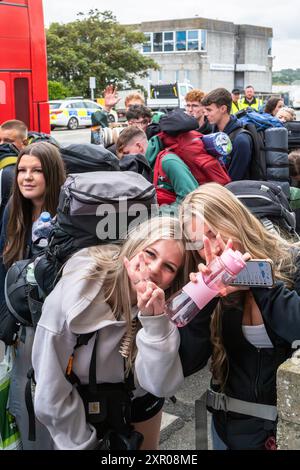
(76, 306)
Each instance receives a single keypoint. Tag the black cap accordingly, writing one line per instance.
(236, 91)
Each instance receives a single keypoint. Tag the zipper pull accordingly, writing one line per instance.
(66, 206)
(70, 365)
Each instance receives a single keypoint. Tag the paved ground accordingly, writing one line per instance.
(178, 426)
(80, 136)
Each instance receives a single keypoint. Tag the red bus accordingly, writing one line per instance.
(23, 64)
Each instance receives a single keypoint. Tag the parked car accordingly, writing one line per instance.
(72, 112)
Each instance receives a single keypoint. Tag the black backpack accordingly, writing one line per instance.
(269, 150)
(82, 158)
(23, 300)
(293, 128)
(258, 166)
(94, 208)
(267, 202)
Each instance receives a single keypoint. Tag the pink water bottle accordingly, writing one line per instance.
(184, 305)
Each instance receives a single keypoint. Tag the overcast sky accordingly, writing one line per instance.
(282, 15)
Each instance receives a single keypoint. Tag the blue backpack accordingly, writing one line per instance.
(262, 121)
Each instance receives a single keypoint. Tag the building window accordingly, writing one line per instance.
(269, 46)
(175, 41)
(193, 40)
(147, 46)
(203, 40)
(168, 41)
(180, 40)
(157, 42)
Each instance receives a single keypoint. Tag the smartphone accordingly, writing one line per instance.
(257, 273)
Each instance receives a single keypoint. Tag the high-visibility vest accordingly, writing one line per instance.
(235, 107)
(256, 103)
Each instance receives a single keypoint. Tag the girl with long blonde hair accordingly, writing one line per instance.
(118, 292)
(247, 331)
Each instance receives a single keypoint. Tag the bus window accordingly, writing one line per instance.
(22, 111)
(2, 92)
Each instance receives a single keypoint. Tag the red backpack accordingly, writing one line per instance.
(190, 148)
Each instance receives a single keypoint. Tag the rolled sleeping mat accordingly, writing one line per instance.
(276, 148)
(217, 144)
(110, 136)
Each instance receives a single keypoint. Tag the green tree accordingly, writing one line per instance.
(58, 91)
(95, 45)
(286, 76)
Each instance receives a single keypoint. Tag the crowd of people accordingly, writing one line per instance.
(104, 323)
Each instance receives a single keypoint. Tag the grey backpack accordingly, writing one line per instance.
(94, 208)
(100, 207)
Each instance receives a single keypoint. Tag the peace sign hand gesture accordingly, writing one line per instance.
(150, 298)
(138, 272)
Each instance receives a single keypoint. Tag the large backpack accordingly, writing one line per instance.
(293, 128)
(83, 158)
(267, 202)
(190, 148)
(94, 208)
(269, 147)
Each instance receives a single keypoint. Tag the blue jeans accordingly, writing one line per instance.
(217, 443)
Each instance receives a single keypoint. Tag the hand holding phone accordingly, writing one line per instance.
(257, 273)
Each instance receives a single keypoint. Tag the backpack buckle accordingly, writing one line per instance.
(216, 400)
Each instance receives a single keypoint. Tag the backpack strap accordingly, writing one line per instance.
(82, 340)
(238, 131)
(257, 169)
(1, 174)
(221, 402)
(158, 174)
(232, 136)
(165, 193)
(29, 388)
(95, 398)
(201, 423)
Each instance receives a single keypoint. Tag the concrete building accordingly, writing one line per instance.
(209, 53)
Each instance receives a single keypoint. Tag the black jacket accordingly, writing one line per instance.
(252, 371)
(137, 163)
(206, 128)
